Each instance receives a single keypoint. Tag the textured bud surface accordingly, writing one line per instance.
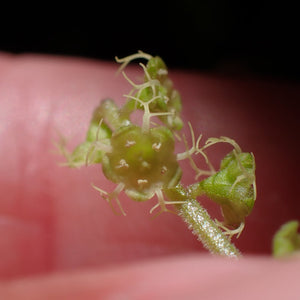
(143, 161)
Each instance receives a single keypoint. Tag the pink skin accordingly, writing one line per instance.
(54, 224)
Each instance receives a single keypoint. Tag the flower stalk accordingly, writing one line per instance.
(206, 230)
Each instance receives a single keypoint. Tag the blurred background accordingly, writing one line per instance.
(213, 36)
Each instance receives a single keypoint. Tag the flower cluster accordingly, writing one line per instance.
(141, 160)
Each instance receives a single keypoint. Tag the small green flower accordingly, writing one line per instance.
(233, 187)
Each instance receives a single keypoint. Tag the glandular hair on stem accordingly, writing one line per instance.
(206, 229)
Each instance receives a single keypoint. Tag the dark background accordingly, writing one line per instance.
(210, 36)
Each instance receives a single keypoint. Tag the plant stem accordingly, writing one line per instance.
(206, 229)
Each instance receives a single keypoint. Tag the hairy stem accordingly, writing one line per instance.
(206, 229)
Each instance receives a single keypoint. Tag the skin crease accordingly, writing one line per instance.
(61, 239)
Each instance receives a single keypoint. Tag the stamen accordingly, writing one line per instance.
(142, 182)
(129, 143)
(163, 170)
(122, 164)
(156, 146)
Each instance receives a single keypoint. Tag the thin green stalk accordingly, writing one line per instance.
(206, 229)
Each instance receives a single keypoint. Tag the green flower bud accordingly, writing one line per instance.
(286, 241)
(142, 161)
(233, 187)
